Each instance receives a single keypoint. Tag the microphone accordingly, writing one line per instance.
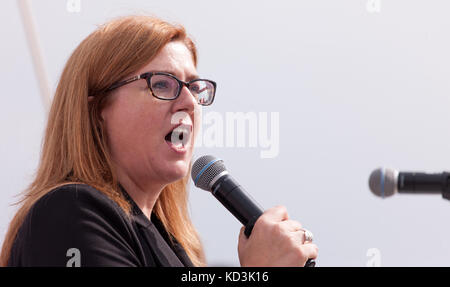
(385, 182)
(209, 173)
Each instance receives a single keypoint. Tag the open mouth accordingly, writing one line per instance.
(179, 136)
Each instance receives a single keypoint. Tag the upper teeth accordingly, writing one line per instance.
(180, 135)
(182, 129)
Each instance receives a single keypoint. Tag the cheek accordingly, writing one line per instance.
(131, 127)
(197, 121)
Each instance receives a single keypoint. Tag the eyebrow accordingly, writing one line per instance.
(188, 78)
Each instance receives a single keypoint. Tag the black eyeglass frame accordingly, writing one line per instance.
(147, 76)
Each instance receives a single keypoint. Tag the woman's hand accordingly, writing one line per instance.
(275, 241)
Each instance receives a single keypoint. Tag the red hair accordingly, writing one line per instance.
(74, 148)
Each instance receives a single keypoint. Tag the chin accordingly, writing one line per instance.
(177, 171)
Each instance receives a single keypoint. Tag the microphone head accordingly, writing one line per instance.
(206, 170)
(383, 182)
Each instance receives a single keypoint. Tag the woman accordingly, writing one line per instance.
(110, 189)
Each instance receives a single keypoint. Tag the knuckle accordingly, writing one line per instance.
(299, 252)
(297, 223)
(262, 221)
(316, 249)
(278, 229)
(263, 225)
(282, 208)
(279, 209)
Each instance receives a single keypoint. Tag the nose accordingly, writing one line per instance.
(185, 102)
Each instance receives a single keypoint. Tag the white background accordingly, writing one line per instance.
(355, 90)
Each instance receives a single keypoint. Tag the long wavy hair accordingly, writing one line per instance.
(75, 147)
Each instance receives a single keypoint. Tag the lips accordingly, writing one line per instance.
(179, 136)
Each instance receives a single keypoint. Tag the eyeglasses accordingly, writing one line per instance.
(165, 86)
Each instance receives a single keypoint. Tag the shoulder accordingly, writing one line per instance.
(74, 194)
(75, 203)
(76, 217)
(79, 197)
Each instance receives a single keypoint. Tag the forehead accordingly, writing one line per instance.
(174, 58)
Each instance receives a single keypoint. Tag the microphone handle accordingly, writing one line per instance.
(418, 182)
(241, 205)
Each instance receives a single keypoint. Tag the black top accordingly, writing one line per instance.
(79, 216)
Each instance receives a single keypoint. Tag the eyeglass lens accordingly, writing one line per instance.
(166, 87)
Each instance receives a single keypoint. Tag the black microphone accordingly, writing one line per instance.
(209, 173)
(386, 182)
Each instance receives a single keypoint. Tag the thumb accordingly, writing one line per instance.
(242, 238)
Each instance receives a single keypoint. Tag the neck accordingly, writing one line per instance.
(144, 195)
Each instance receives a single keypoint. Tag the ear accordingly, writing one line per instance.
(90, 100)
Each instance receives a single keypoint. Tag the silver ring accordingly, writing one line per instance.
(308, 235)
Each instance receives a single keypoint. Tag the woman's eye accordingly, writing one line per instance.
(160, 85)
(194, 88)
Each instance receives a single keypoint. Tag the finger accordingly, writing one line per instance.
(276, 214)
(310, 251)
(301, 235)
(291, 225)
(309, 237)
(242, 237)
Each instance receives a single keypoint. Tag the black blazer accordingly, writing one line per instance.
(81, 217)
